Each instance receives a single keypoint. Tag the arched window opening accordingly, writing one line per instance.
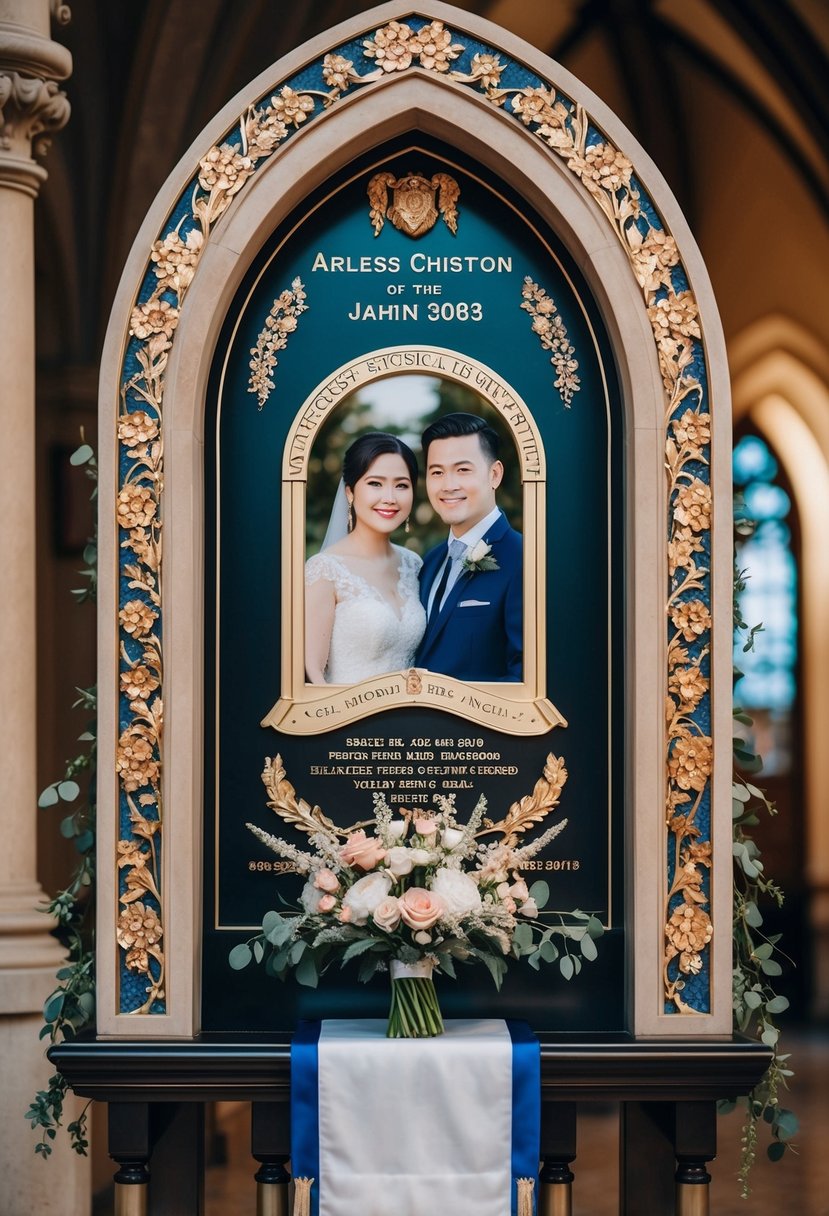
(767, 686)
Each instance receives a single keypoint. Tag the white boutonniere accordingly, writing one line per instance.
(479, 558)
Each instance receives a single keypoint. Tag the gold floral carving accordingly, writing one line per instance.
(281, 321)
(413, 209)
(564, 127)
(552, 334)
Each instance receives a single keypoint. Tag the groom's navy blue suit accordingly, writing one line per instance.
(478, 634)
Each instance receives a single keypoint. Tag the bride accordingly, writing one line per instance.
(363, 615)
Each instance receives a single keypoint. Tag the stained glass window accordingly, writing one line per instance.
(767, 687)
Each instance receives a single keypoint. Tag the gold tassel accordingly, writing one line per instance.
(302, 1196)
(526, 1187)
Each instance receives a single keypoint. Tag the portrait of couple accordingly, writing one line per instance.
(373, 606)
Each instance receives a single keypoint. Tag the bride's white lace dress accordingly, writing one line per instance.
(370, 635)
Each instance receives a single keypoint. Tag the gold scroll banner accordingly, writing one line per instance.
(339, 705)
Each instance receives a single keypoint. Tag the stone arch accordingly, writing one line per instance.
(781, 384)
(424, 100)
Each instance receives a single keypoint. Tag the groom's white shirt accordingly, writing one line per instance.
(470, 538)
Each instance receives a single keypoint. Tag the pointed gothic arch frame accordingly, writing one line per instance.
(781, 384)
(169, 366)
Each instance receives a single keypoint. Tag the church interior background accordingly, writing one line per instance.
(729, 98)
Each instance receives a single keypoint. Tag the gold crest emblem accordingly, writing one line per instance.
(413, 209)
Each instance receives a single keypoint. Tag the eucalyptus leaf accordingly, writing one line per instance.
(68, 790)
(85, 841)
(53, 1006)
(770, 966)
(778, 1004)
(306, 972)
(49, 796)
(258, 951)
(540, 892)
(753, 915)
(776, 1150)
(81, 455)
(752, 999)
(595, 927)
(567, 967)
(549, 951)
(588, 948)
(67, 827)
(786, 1124)
(240, 956)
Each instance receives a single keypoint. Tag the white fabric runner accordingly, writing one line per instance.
(415, 1127)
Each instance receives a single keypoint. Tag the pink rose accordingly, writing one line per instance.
(420, 908)
(509, 905)
(362, 851)
(326, 880)
(345, 915)
(519, 890)
(425, 827)
(386, 915)
(326, 903)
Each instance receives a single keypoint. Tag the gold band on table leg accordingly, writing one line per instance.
(271, 1199)
(692, 1200)
(556, 1199)
(131, 1199)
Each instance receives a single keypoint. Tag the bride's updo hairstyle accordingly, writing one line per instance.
(364, 451)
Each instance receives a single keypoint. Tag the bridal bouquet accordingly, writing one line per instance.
(417, 893)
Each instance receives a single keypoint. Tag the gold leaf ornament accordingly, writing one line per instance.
(533, 808)
(282, 798)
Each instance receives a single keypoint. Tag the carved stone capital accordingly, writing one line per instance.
(30, 110)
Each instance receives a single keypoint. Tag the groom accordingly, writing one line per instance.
(472, 584)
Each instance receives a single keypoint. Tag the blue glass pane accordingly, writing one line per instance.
(753, 461)
(764, 501)
(770, 595)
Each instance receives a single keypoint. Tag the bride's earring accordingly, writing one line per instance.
(350, 516)
(406, 527)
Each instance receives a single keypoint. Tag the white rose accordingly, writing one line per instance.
(311, 897)
(397, 829)
(457, 892)
(366, 894)
(387, 915)
(399, 860)
(451, 838)
(422, 857)
(478, 551)
(423, 938)
(529, 908)
(519, 890)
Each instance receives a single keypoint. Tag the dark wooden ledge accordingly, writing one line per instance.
(574, 1069)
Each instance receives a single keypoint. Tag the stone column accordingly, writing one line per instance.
(31, 105)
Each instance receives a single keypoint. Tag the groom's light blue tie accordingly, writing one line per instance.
(457, 549)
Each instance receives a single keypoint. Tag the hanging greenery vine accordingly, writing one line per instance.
(71, 1007)
(756, 955)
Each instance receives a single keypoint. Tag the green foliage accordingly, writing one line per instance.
(756, 1004)
(70, 1008)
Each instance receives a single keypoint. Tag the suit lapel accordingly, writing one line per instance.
(435, 564)
(437, 623)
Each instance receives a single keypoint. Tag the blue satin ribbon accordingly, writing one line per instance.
(305, 1103)
(526, 1107)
